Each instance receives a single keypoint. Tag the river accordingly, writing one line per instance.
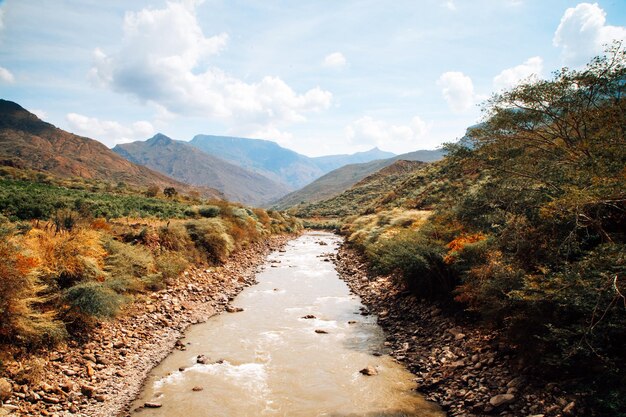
(268, 360)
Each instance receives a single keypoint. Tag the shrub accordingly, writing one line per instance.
(211, 238)
(171, 265)
(67, 257)
(93, 299)
(127, 265)
(22, 319)
(209, 211)
(420, 262)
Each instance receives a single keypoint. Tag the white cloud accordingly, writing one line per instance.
(368, 131)
(108, 132)
(450, 5)
(583, 32)
(510, 77)
(6, 76)
(163, 60)
(335, 60)
(458, 90)
(42, 114)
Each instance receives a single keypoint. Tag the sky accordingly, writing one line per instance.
(318, 76)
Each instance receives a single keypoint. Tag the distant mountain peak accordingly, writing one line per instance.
(159, 139)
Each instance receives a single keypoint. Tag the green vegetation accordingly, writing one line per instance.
(25, 200)
(527, 226)
(74, 252)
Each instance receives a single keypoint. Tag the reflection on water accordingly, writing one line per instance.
(269, 360)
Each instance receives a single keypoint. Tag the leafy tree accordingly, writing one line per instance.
(170, 192)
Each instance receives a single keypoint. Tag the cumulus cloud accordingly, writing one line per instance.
(6, 76)
(372, 132)
(510, 77)
(583, 31)
(458, 90)
(164, 60)
(334, 60)
(108, 132)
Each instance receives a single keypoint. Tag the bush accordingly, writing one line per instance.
(127, 265)
(209, 211)
(418, 260)
(211, 238)
(171, 265)
(22, 318)
(93, 299)
(67, 257)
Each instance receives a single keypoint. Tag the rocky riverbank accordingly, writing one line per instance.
(461, 366)
(100, 377)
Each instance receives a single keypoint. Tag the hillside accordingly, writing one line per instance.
(28, 142)
(280, 164)
(364, 193)
(330, 162)
(262, 156)
(345, 177)
(190, 165)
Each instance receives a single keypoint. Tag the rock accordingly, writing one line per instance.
(6, 389)
(87, 390)
(99, 397)
(515, 382)
(119, 344)
(369, 371)
(569, 408)
(319, 331)
(51, 400)
(309, 316)
(202, 359)
(152, 405)
(196, 389)
(89, 357)
(501, 400)
(231, 309)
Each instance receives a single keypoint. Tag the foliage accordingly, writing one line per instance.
(93, 299)
(529, 222)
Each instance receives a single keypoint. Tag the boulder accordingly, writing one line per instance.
(6, 389)
(501, 400)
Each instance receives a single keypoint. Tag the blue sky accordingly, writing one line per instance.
(319, 76)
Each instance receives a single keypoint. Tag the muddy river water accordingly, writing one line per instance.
(268, 360)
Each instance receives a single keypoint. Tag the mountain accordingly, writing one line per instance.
(262, 156)
(341, 179)
(189, 164)
(362, 194)
(328, 163)
(278, 163)
(28, 142)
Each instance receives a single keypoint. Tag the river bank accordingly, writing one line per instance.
(100, 378)
(457, 364)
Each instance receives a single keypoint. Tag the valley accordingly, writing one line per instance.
(198, 274)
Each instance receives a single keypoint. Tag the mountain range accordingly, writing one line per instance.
(190, 165)
(278, 163)
(28, 142)
(250, 171)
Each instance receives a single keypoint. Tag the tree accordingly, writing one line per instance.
(170, 192)
(152, 191)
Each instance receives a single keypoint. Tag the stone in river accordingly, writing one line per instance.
(369, 371)
(152, 405)
(319, 331)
